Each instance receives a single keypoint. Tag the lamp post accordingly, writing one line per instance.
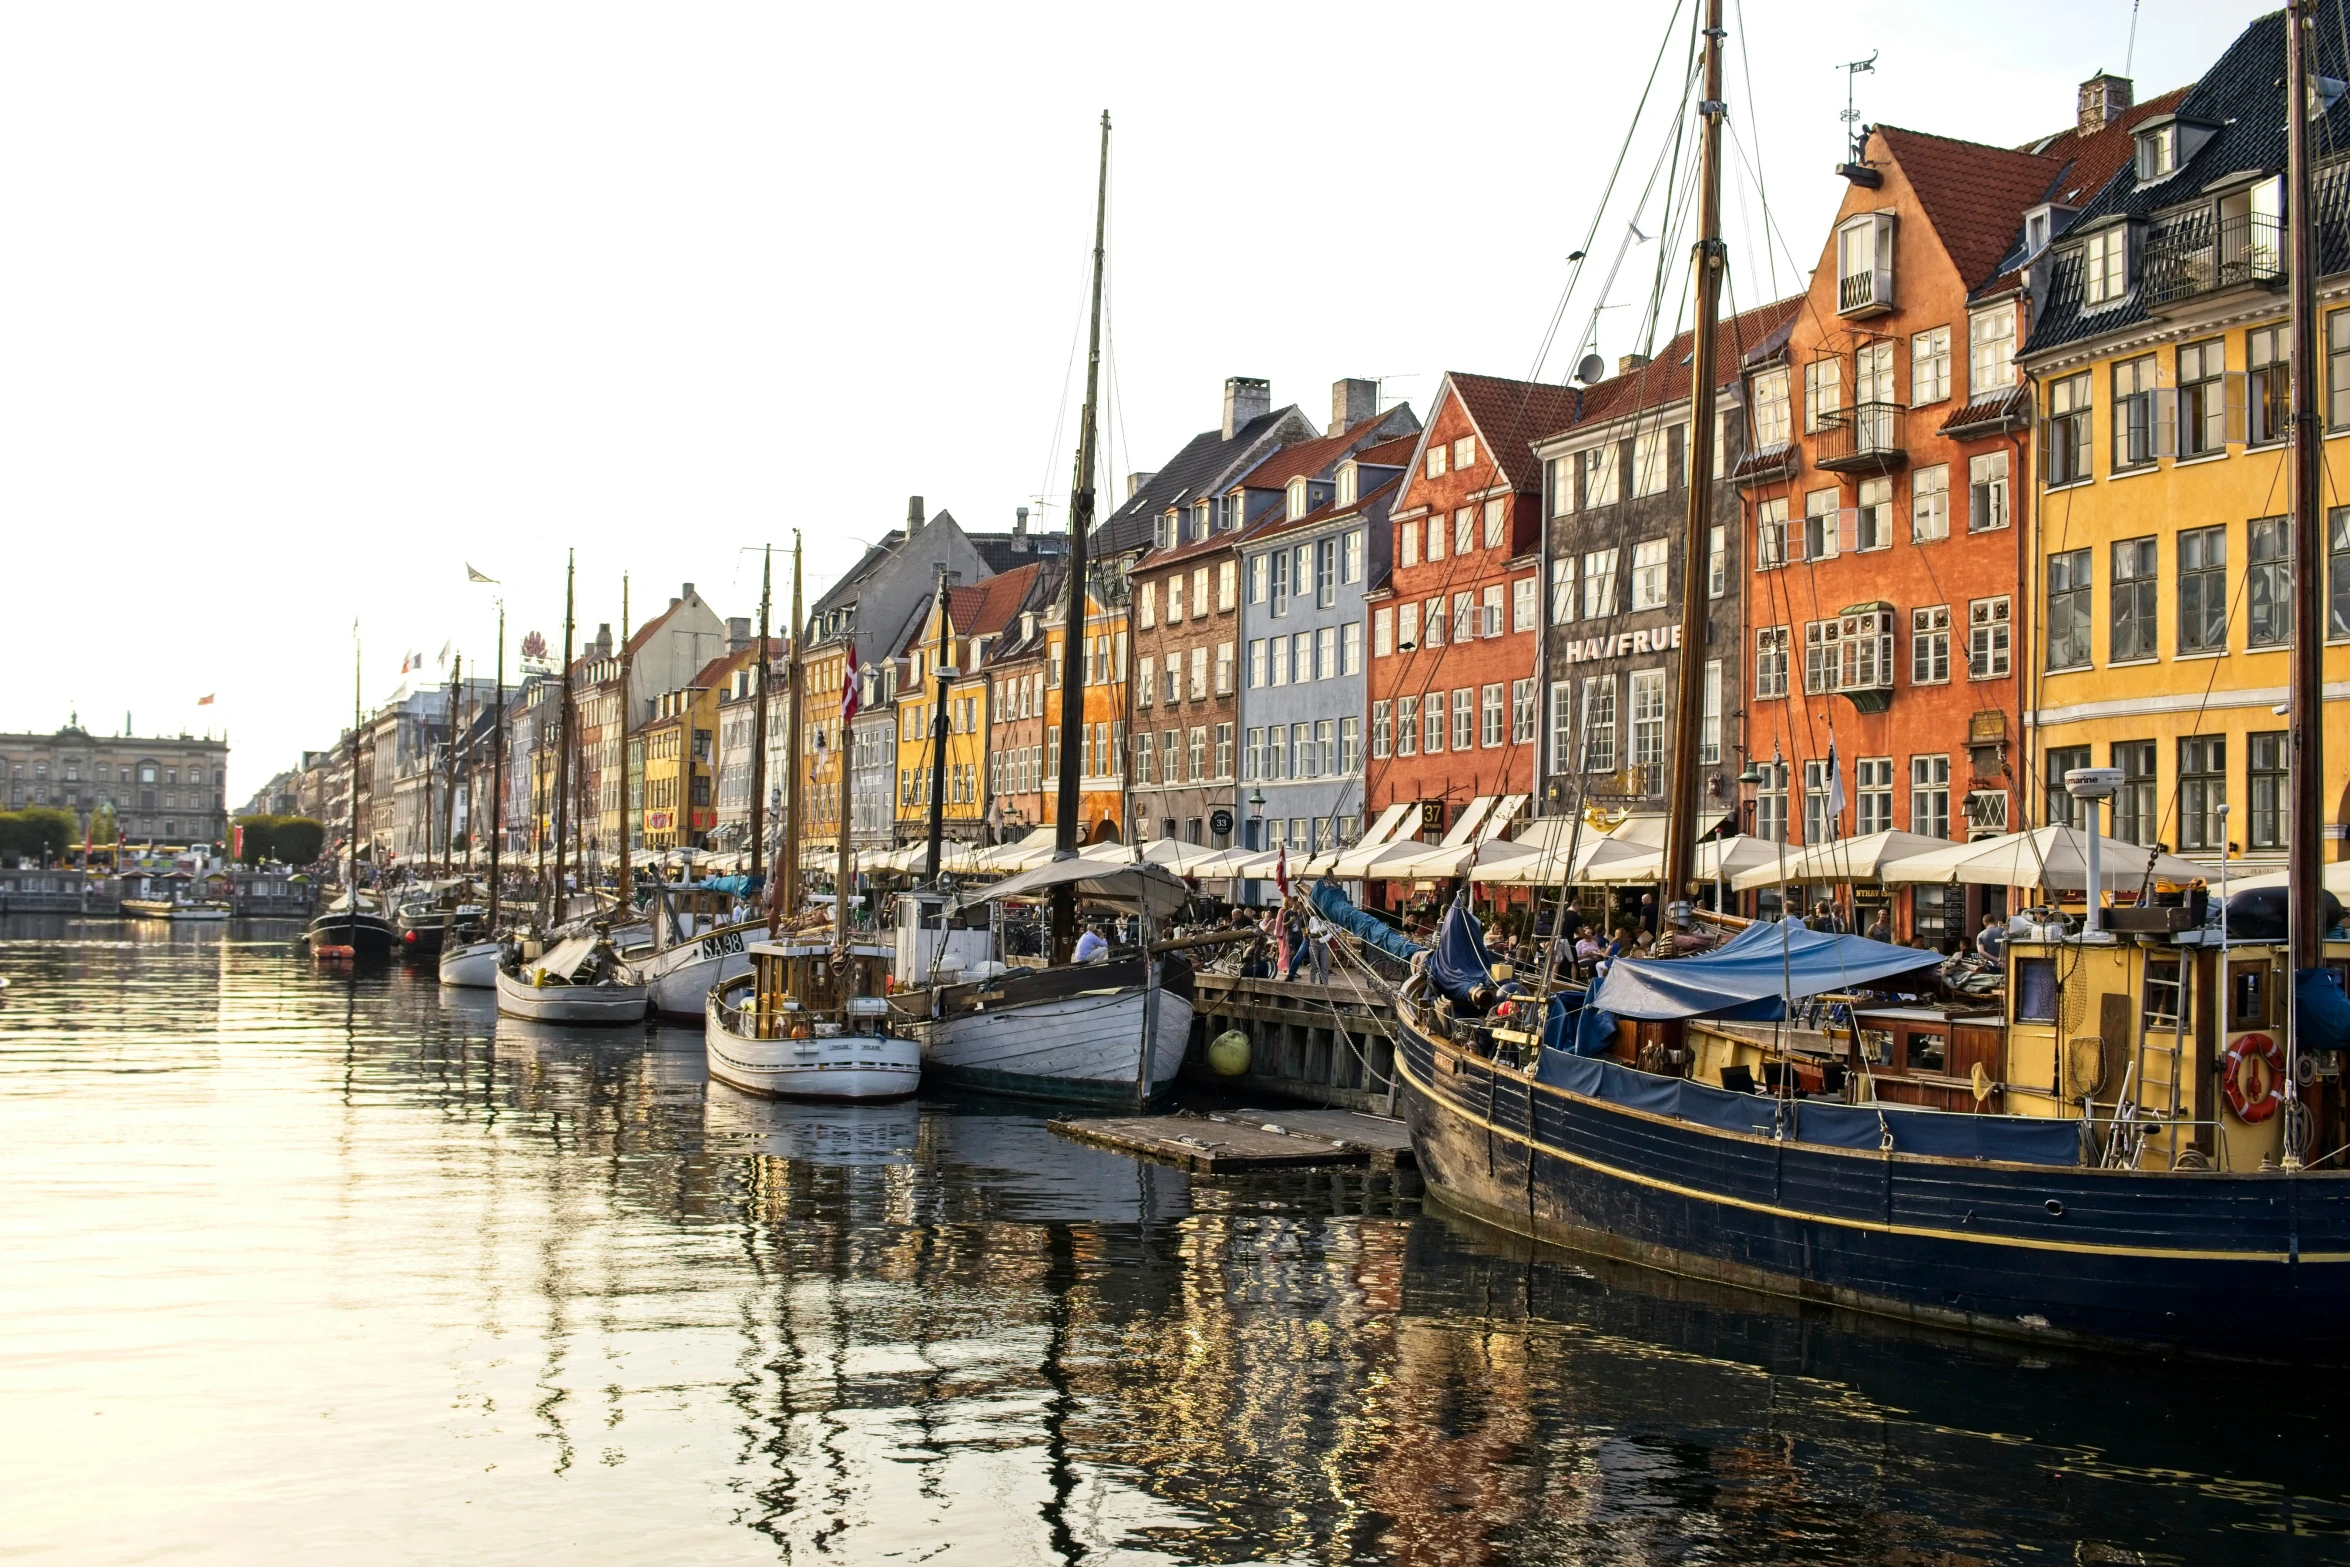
(1256, 814)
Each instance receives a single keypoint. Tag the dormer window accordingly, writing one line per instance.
(2158, 152)
(1203, 519)
(2105, 266)
(1864, 265)
(1346, 484)
(1297, 499)
(2042, 224)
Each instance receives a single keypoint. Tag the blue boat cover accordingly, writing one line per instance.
(1458, 962)
(2015, 1139)
(1750, 978)
(738, 886)
(2322, 1012)
(1332, 905)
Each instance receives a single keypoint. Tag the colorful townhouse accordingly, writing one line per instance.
(1885, 497)
(2164, 552)
(1456, 629)
(1021, 794)
(975, 618)
(1305, 628)
(1618, 503)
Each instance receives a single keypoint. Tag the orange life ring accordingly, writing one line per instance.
(2257, 1050)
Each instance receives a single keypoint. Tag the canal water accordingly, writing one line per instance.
(298, 1268)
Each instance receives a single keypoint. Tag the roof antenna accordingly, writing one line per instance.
(2131, 53)
(1854, 135)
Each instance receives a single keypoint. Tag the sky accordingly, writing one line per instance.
(306, 308)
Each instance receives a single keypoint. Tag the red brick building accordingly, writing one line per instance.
(1456, 629)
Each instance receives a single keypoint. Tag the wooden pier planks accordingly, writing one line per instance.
(1240, 1141)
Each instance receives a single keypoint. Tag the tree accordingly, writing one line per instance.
(260, 838)
(297, 839)
(37, 830)
(104, 828)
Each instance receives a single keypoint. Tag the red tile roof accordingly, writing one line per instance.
(1512, 416)
(1973, 195)
(994, 603)
(1664, 380)
(2098, 156)
(1306, 459)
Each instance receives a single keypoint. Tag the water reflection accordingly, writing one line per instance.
(357, 1255)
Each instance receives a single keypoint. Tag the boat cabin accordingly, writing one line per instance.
(799, 990)
(939, 943)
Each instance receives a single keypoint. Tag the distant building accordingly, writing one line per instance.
(162, 789)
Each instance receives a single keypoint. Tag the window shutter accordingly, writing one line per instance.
(2166, 421)
(2233, 395)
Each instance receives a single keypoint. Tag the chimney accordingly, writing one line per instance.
(2104, 99)
(1019, 522)
(602, 646)
(689, 590)
(1351, 402)
(1627, 363)
(1135, 482)
(1246, 397)
(913, 515)
(738, 633)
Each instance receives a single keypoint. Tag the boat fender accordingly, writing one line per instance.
(1228, 1054)
(2266, 1059)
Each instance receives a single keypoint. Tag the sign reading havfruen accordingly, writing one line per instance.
(1620, 644)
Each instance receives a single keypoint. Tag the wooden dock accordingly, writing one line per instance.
(1236, 1142)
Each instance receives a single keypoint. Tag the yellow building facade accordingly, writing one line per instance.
(964, 802)
(2161, 570)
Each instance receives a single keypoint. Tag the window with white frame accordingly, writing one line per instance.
(1432, 721)
(1770, 661)
(1146, 749)
(1407, 726)
(1437, 452)
(1350, 648)
(1603, 476)
(1562, 703)
(1873, 796)
(1709, 719)
(1382, 729)
(1990, 336)
(1929, 796)
(1599, 584)
(1821, 525)
(1523, 614)
(1929, 366)
(1493, 621)
(1146, 687)
(1382, 633)
(1717, 561)
(1987, 638)
(1432, 619)
(1464, 617)
(1599, 723)
(1648, 574)
(1773, 414)
(1199, 674)
(1175, 600)
(1435, 537)
(1146, 602)
(1820, 821)
(1228, 585)
(1770, 803)
(1407, 544)
(1770, 532)
(1497, 531)
(1562, 590)
(2105, 266)
(1256, 666)
(1464, 453)
(1224, 652)
(1350, 557)
(1873, 521)
(1464, 718)
(2066, 449)
(1929, 645)
(1648, 728)
(1521, 712)
(1562, 485)
(1490, 715)
(1823, 393)
(1929, 503)
(1464, 530)
(1407, 627)
(1350, 746)
(1987, 492)
(1649, 452)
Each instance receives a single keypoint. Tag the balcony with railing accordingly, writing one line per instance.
(1865, 438)
(2210, 249)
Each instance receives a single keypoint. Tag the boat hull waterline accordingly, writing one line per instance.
(2251, 1266)
(368, 934)
(473, 966)
(681, 977)
(1084, 1048)
(608, 1006)
(830, 1067)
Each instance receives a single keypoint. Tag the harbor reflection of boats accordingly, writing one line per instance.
(809, 1131)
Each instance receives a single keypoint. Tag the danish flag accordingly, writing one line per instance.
(848, 689)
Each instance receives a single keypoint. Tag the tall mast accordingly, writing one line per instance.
(759, 722)
(498, 771)
(1064, 900)
(2305, 891)
(627, 667)
(352, 934)
(449, 793)
(1688, 709)
(938, 735)
(789, 851)
(563, 746)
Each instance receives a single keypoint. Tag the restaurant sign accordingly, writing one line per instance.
(1663, 639)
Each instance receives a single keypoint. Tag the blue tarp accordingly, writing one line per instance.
(1459, 960)
(2016, 1139)
(1332, 905)
(738, 886)
(1749, 978)
(2322, 1013)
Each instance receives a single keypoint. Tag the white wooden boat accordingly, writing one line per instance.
(172, 909)
(1075, 1033)
(696, 939)
(786, 1029)
(573, 982)
(471, 966)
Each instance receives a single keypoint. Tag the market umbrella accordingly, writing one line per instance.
(1845, 859)
(2056, 857)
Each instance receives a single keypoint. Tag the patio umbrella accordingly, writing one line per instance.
(2056, 857)
(1847, 859)
(1547, 865)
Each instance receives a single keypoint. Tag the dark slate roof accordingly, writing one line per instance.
(1010, 551)
(2243, 95)
(1208, 465)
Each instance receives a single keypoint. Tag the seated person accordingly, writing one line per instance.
(1091, 947)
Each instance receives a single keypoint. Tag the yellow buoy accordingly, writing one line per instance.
(1228, 1054)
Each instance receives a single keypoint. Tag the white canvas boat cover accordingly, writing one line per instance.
(1150, 887)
